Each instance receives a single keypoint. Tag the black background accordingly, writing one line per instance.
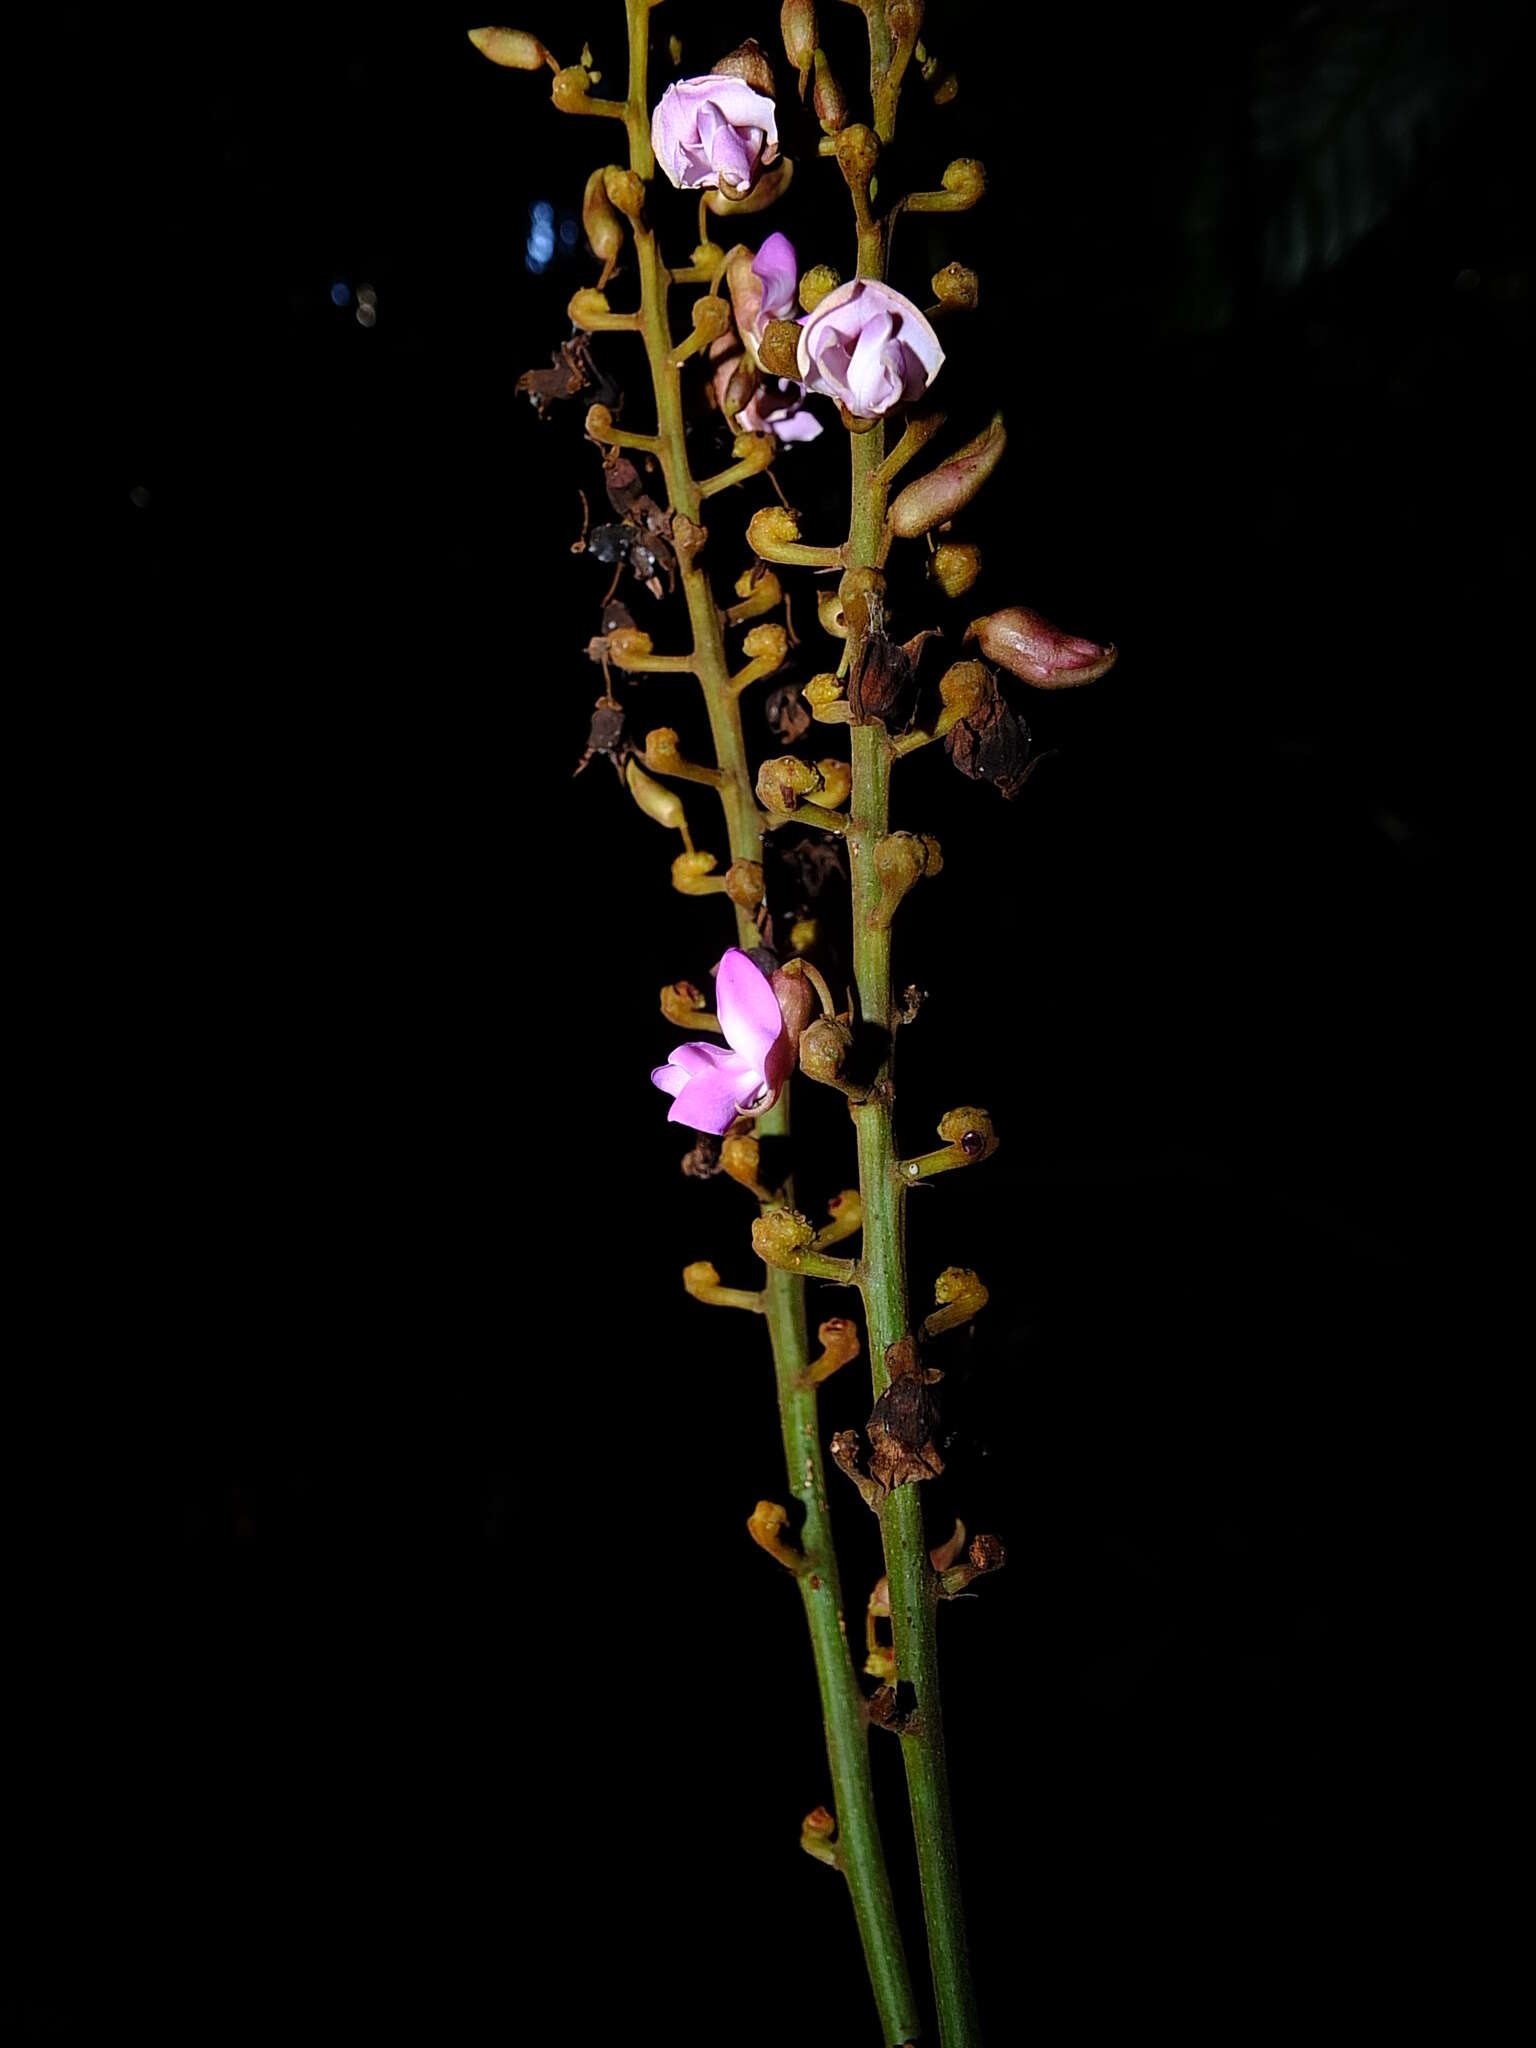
(450, 1685)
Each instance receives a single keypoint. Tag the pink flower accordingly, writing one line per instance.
(712, 1088)
(714, 131)
(869, 348)
(786, 418)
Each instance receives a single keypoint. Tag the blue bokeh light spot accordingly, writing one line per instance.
(340, 293)
(569, 232)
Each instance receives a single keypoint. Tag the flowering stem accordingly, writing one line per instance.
(883, 1280)
(861, 1856)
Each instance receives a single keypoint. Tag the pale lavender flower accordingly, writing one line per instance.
(711, 1087)
(782, 413)
(714, 131)
(869, 348)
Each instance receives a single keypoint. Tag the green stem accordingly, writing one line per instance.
(861, 1856)
(909, 1573)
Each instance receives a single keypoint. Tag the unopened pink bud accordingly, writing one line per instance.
(1037, 652)
(714, 133)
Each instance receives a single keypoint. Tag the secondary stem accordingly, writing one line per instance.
(861, 1855)
(909, 1573)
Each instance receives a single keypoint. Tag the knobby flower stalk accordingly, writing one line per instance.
(766, 338)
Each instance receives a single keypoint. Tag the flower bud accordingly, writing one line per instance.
(664, 805)
(710, 317)
(768, 642)
(625, 190)
(628, 644)
(571, 87)
(971, 1132)
(1037, 652)
(824, 1049)
(901, 859)
(798, 26)
(818, 1821)
(829, 610)
(796, 999)
(960, 1295)
(965, 688)
(683, 1004)
(693, 874)
(759, 590)
(511, 48)
(815, 285)
(836, 784)
(748, 61)
(804, 935)
(944, 86)
(986, 1554)
(824, 694)
(954, 565)
(966, 179)
(771, 528)
(777, 348)
(588, 308)
(934, 498)
(847, 1213)
(783, 780)
(858, 151)
(839, 1339)
(744, 883)
(956, 286)
(827, 96)
(605, 231)
(741, 1159)
(765, 1525)
(780, 1237)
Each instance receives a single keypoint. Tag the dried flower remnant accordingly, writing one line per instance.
(714, 133)
(711, 1087)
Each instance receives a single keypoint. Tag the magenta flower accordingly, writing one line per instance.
(869, 348)
(714, 131)
(710, 1087)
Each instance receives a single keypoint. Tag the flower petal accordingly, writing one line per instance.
(747, 1008)
(775, 265)
(712, 1101)
(673, 1078)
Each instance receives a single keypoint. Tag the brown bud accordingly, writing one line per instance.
(740, 387)
(625, 190)
(710, 316)
(954, 566)
(798, 26)
(944, 87)
(815, 285)
(776, 351)
(605, 231)
(748, 62)
(1037, 652)
(571, 87)
(824, 1048)
(741, 1160)
(858, 151)
(818, 1821)
(956, 285)
(744, 883)
(828, 97)
(783, 780)
(944, 491)
(682, 1002)
(966, 179)
(797, 1002)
